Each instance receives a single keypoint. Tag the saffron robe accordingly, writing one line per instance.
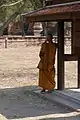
(46, 66)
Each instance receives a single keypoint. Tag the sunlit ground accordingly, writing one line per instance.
(65, 116)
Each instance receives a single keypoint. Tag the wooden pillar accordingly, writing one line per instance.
(60, 58)
(79, 73)
(76, 44)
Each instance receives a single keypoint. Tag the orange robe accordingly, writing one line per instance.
(46, 66)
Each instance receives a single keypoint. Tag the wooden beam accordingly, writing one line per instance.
(70, 57)
(60, 57)
(76, 15)
(52, 17)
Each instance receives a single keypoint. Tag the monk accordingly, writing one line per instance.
(46, 65)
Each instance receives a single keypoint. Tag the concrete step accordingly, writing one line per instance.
(67, 97)
(60, 99)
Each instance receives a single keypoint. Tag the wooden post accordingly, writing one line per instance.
(60, 58)
(76, 44)
(79, 73)
(6, 40)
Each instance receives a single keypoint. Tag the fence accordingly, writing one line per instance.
(7, 41)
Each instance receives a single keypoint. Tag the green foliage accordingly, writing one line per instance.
(11, 9)
(7, 11)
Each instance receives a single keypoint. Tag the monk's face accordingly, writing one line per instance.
(49, 38)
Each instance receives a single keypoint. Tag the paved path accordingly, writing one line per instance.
(23, 104)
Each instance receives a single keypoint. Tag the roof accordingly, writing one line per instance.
(58, 9)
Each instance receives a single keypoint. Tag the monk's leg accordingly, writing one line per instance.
(41, 80)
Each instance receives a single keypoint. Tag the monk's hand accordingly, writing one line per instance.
(49, 69)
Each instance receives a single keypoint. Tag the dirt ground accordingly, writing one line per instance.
(18, 67)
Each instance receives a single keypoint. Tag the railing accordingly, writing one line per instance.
(29, 40)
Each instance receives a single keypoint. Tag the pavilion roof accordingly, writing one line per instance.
(57, 9)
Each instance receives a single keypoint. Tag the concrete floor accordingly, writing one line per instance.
(23, 104)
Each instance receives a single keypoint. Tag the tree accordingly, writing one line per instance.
(12, 8)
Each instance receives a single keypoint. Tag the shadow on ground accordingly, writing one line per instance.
(16, 103)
